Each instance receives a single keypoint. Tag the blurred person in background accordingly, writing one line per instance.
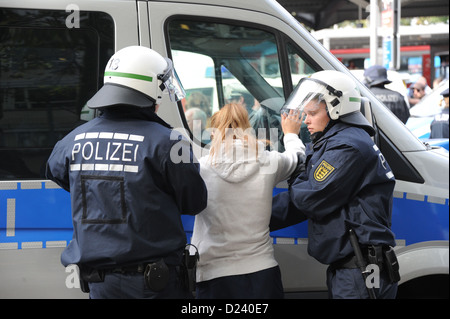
(440, 125)
(376, 79)
(418, 91)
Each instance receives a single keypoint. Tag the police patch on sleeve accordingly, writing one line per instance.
(323, 171)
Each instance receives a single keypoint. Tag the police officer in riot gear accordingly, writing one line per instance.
(346, 186)
(375, 78)
(128, 188)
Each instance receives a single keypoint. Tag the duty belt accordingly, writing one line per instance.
(140, 268)
(371, 254)
(382, 256)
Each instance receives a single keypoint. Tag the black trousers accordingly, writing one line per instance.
(264, 284)
(132, 286)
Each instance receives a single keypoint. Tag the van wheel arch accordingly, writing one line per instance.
(424, 270)
(426, 287)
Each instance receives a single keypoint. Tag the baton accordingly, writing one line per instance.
(360, 262)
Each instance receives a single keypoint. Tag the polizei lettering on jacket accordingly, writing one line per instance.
(106, 151)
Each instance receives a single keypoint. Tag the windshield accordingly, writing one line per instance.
(220, 63)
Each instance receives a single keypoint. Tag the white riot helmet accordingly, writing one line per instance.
(337, 90)
(134, 70)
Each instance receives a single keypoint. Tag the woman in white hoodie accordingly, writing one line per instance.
(232, 233)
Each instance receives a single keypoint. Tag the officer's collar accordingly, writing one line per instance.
(130, 112)
(332, 128)
(315, 137)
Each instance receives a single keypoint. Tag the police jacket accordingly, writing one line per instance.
(440, 125)
(347, 184)
(394, 101)
(130, 178)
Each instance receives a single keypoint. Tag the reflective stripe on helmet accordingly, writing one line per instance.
(129, 75)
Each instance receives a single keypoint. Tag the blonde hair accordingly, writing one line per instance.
(229, 124)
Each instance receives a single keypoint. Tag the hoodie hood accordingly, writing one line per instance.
(236, 164)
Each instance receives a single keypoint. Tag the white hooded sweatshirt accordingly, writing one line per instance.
(232, 233)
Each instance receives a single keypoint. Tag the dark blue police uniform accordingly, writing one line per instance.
(347, 184)
(129, 182)
(376, 78)
(439, 127)
(394, 101)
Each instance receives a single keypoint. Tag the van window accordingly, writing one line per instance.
(298, 67)
(47, 73)
(223, 62)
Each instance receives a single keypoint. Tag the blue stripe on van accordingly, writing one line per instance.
(41, 217)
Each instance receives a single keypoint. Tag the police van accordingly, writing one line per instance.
(52, 57)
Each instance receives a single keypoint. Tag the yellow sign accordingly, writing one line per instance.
(323, 171)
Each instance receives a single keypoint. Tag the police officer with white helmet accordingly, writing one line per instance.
(346, 189)
(127, 193)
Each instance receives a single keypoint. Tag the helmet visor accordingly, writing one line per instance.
(171, 82)
(308, 92)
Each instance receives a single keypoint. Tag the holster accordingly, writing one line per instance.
(188, 269)
(392, 266)
(385, 258)
(375, 256)
(88, 275)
